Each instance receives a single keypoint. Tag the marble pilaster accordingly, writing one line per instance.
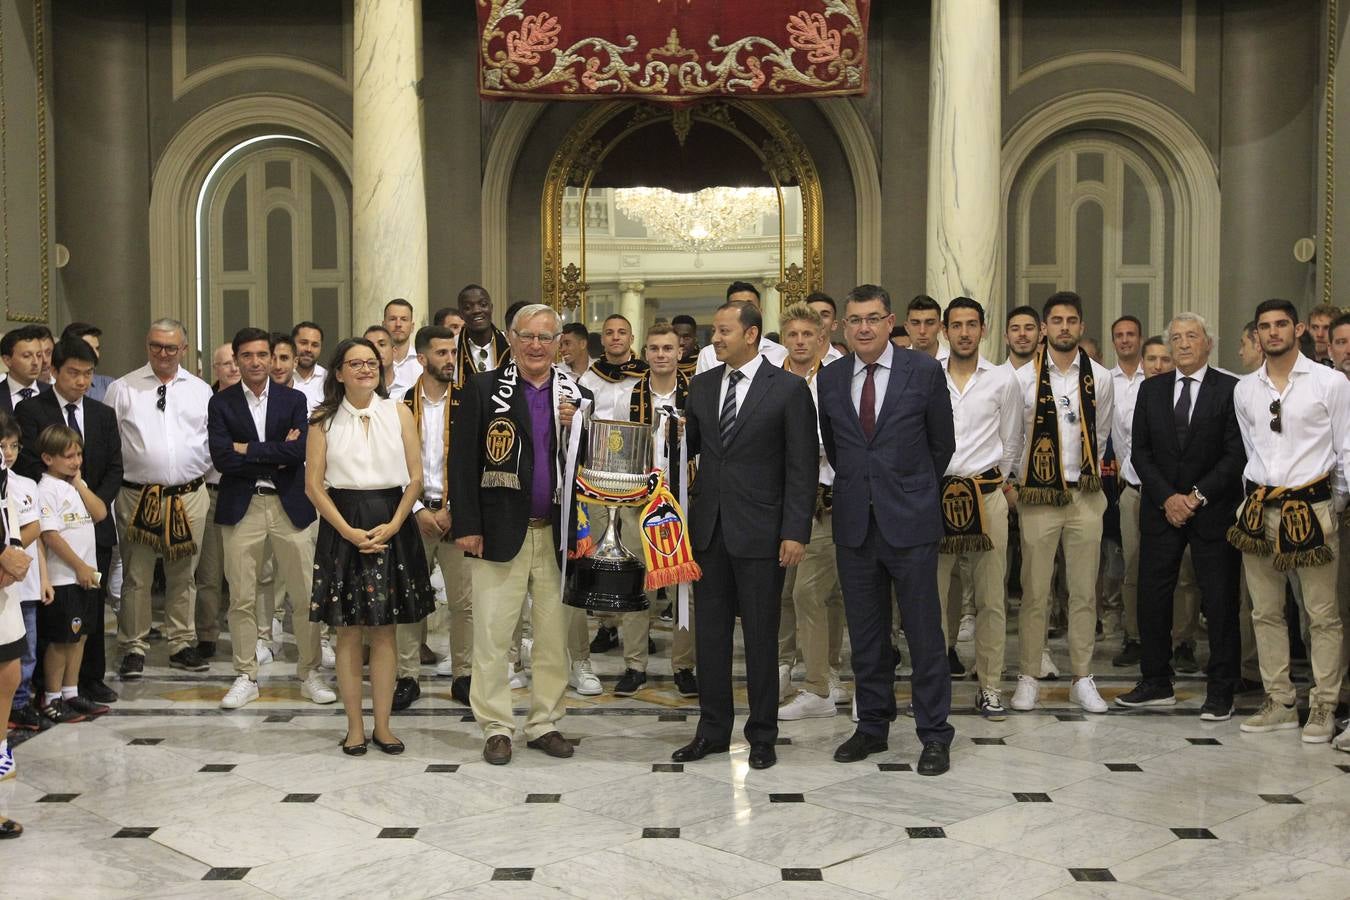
(633, 307)
(963, 150)
(770, 302)
(389, 210)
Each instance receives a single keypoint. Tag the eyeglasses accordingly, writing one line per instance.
(1069, 415)
(1275, 423)
(159, 404)
(859, 321)
(356, 365)
(529, 337)
(163, 349)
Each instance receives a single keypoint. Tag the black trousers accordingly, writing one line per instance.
(750, 588)
(866, 575)
(1216, 568)
(95, 663)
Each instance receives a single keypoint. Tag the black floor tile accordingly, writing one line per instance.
(660, 832)
(1031, 797)
(802, 875)
(1205, 742)
(672, 717)
(512, 874)
(667, 767)
(1279, 798)
(1071, 717)
(786, 798)
(784, 742)
(442, 767)
(135, 832)
(277, 719)
(988, 742)
(468, 718)
(894, 767)
(299, 798)
(1344, 768)
(57, 798)
(226, 874)
(1124, 767)
(397, 833)
(542, 798)
(1194, 834)
(1092, 875)
(927, 832)
(144, 742)
(217, 767)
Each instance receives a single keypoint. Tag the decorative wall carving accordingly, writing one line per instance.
(8, 223)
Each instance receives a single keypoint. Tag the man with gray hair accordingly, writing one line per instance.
(161, 511)
(1188, 453)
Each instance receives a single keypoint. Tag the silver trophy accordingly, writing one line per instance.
(618, 461)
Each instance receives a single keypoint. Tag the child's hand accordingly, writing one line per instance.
(48, 594)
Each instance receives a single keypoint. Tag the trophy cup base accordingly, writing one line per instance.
(608, 586)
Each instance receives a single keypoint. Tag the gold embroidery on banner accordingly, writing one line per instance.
(501, 438)
(958, 506)
(1296, 517)
(1043, 459)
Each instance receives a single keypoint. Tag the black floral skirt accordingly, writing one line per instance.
(355, 588)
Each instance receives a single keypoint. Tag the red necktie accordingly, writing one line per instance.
(867, 406)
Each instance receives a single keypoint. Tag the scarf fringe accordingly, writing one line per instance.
(142, 536)
(1317, 556)
(1040, 496)
(494, 479)
(965, 543)
(585, 547)
(1089, 482)
(1247, 544)
(662, 578)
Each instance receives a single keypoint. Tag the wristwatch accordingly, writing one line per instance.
(1199, 496)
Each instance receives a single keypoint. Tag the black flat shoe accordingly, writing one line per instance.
(696, 750)
(935, 759)
(859, 747)
(762, 756)
(355, 749)
(393, 748)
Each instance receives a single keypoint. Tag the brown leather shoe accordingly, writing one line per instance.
(553, 743)
(497, 750)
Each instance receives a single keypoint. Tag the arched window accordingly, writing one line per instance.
(274, 241)
(1089, 213)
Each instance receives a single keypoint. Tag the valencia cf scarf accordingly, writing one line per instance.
(640, 408)
(616, 372)
(963, 519)
(666, 551)
(688, 366)
(1043, 481)
(503, 438)
(160, 520)
(413, 400)
(1299, 541)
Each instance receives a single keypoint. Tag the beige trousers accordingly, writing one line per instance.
(209, 576)
(810, 591)
(1323, 610)
(1343, 597)
(459, 601)
(499, 590)
(265, 528)
(138, 573)
(987, 571)
(1079, 526)
(636, 627)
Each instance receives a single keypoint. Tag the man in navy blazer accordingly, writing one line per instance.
(256, 431)
(886, 424)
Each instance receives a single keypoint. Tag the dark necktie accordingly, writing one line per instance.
(728, 419)
(71, 420)
(1182, 411)
(25, 393)
(867, 404)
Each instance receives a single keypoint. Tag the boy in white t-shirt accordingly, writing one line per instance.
(34, 587)
(69, 511)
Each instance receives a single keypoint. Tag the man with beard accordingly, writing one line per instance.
(742, 292)
(430, 402)
(1319, 327)
(309, 375)
(686, 329)
(1022, 334)
(481, 346)
(1126, 376)
(398, 321)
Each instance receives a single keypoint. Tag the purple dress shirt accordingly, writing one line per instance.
(540, 402)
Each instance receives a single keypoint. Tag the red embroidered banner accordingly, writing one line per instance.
(671, 50)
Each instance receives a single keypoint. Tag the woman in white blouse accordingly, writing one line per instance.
(363, 472)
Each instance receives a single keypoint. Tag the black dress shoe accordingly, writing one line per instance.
(859, 747)
(696, 750)
(762, 756)
(935, 758)
(459, 688)
(133, 666)
(98, 692)
(206, 649)
(406, 690)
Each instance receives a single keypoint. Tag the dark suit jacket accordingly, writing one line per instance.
(897, 473)
(7, 404)
(269, 455)
(762, 481)
(1212, 460)
(102, 467)
(500, 514)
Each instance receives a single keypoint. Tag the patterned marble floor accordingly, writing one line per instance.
(171, 797)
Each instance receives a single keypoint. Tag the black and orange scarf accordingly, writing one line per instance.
(465, 362)
(413, 400)
(1299, 541)
(1043, 481)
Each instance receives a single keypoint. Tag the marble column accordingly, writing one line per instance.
(633, 308)
(963, 150)
(770, 301)
(389, 208)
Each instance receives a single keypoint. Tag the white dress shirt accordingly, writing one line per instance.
(406, 373)
(988, 420)
(257, 408)
(433, 446)
(1314, 439)
(774, 353)
(826, 470)
(1064, 385)
(881, 377)
(15, 397)
(484, 357)
(831, 354)
(1126, 388)
(79, 409)
(742, 386)
(1197, 378)
(311, 387)
(611, 397)
(161, 447)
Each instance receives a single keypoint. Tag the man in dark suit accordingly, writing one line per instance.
(1187, 449)
(506, 512)
(256, 431)
(886, 423)
(751, 504)
(65, 403)
(22, 352)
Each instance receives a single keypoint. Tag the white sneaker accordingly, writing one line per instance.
(1342, 742)
(784, 682)
(806, 705)
(966, 633)
(8, 768)
(989, 703)
(242, 692)
(582, 679)
(316, 689)
(838, 693)
(1025, 697)
(1048, 669)
(263, 652)
(1084, 693)
(445, 668)
(516, 679)
(327, 658)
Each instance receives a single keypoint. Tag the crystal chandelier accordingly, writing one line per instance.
(701, 221)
